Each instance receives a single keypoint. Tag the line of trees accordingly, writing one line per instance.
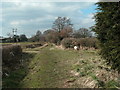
(62, 28)
(16, 38)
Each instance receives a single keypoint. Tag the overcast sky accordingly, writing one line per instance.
(30, 17)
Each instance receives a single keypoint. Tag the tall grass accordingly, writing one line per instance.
(11, 55)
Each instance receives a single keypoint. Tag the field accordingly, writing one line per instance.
(53, 67)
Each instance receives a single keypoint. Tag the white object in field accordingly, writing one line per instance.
(75, 48)
(6, 74)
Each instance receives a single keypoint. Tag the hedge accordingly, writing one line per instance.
(81, 42)
(11, 55)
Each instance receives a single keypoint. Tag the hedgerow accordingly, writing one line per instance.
(11, 55)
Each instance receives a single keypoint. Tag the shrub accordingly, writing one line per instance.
(11, 55)
(52, 36)
(83, 42)
(88, 42)
(68, 42)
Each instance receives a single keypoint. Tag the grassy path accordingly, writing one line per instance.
(51, 67)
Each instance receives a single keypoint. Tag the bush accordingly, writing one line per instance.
(68, 42)
(81, 42)
(52, 36)
(11, 55)
(88, 42)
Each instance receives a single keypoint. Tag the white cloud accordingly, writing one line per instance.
(14, 23)
(89, 19)
(36, 20)
(50, 0)
(47, 6)
(32, 16)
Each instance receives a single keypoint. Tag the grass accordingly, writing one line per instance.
(20, 43)
(51, 67)
(16, 76)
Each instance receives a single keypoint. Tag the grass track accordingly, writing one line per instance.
(52, 67)
(49, 68)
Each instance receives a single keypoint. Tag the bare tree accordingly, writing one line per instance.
(82, 33)
(61, 22)
(9, 35)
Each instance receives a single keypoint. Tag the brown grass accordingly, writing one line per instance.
(11, 55)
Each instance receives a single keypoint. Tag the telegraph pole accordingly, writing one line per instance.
(15, 34)
(14, 31)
